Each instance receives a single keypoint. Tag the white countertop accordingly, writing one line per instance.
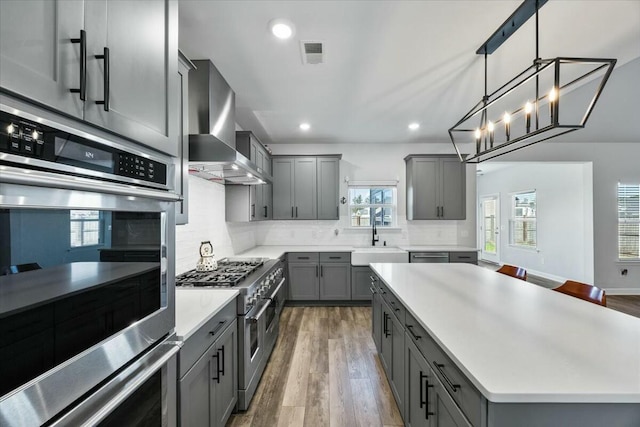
(268, 251)
(194, 307)
(518, 342)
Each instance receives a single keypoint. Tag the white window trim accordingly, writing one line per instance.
(512, 219)
(623, 260)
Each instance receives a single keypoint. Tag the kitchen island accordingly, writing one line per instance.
(532, 356)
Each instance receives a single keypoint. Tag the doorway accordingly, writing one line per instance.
(489, 228)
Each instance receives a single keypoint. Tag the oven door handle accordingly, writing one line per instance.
(100, 404)
(256, 317)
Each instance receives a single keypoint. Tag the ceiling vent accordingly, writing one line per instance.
(312, 52)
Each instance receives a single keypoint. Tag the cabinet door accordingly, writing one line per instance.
(304, 188)
(386, 340)
(182, 161)
(361, 283)
(303, 281)
(283, 188)
(419, 387)
(196, 392)
(376, 320)
(425, 188)
(37, 58)
(142, 39)
(397, 361)
(226, 390)
(328, 188)
(447, 413)
(453, 187)
(335, 281)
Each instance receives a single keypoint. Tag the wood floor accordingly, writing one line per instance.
(324, 371)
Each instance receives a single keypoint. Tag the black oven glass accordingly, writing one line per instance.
(69, 280)
(253, 337)
(142, 409)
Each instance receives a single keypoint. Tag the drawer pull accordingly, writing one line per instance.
(464, 257)
(413, 334)
(303, 257)
(334, 257)
(439, 367)
(217, 329)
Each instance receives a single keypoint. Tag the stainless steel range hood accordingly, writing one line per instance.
(212, 128)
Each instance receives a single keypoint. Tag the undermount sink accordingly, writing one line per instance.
(366, 255)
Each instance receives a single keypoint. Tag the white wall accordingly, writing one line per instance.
(372, 162)
(564, 216)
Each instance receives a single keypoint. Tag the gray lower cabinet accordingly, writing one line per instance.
(128, 84)
(392, 353)
(361, 283)
(376, 314)
(208, 383)
(436, 187)
(317, 276)
(335, 281)
(304, 283)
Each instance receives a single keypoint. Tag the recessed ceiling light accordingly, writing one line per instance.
(281, 28)
(305, 126)
(414, 126)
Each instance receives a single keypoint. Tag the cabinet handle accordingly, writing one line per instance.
(464, 257)
(265, 212)
(217, 329)
(291, 211)
(442, 211)
(439, 367)
(253, 210)
(413, 334)
(385, 326)
(373, 279)
(296, 212)
(321, 271)
(222, 362)
(338, 211)
(422, 400)
(426, 409)
(83, 65)
(303, 257)
(373, 291)
(334, 257)
(106, 80)
(217, 357)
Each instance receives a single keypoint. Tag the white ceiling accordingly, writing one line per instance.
(389, 63)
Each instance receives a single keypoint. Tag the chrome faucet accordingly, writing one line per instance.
(374, 231)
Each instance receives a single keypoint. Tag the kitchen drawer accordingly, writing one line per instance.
(199, 342)
(394, 303)
(468, 257)
(304, 257)
(335, 257)
(459, 387)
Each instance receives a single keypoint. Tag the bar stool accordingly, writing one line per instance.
(513, 271)
(583, 291)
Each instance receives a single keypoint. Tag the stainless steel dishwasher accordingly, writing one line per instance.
(429, 257)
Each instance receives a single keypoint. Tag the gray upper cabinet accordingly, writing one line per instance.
(130, 63)
(137, 76)
(261, 195)
(37, 58)
(182, 161)
(305, 187)
(436, 187)
(328, 188)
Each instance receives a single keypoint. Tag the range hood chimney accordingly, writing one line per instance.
(212, 130)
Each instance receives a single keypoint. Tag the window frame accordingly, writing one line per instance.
(83, 221)
(393, 206)
(626, 221)
(513, 219)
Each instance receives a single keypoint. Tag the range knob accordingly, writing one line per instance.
(252, 300)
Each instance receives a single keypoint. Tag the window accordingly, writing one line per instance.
(523, 223)
(85, 228)
(378, 202)
(629, 221)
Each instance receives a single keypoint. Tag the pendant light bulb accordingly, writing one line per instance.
(528, 107)
(506, 118)
(490, 126)
(478, 133)
(553, 94)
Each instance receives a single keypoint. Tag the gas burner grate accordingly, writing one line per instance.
(228, 274)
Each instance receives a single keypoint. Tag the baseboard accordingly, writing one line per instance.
(622, 291)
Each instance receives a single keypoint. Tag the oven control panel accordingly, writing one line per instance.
(30, 139)
(264, 289)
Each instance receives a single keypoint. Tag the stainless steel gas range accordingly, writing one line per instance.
(262, 295)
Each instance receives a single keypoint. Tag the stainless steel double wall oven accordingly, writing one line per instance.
(87, 233)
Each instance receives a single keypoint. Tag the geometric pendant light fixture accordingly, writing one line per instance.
(527, 109)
